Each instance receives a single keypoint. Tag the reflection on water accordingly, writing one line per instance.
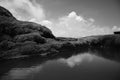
(77, 59)
(21, 73)
(83, 66)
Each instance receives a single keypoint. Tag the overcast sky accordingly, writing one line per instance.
(71, 18)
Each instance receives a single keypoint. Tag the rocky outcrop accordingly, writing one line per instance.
(15, 34)
(5, 13)
(13, 27)
(24, 39)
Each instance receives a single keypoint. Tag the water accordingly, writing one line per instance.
(82, 66)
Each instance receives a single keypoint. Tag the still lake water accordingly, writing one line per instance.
(83, 66)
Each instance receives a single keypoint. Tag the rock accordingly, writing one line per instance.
(36, 37)
(22, 38)
(15, 35)
(13, 27)
(4, 12)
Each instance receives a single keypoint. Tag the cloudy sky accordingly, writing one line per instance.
(69, 18)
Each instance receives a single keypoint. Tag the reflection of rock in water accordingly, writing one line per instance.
(6, 65)
(20, 69)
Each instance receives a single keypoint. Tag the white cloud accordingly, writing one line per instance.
(73, 15)
(47, 23)
(71, 25)
(116, 28)
(24, 9)
(74, 25)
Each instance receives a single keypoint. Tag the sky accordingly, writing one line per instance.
(69, 18)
